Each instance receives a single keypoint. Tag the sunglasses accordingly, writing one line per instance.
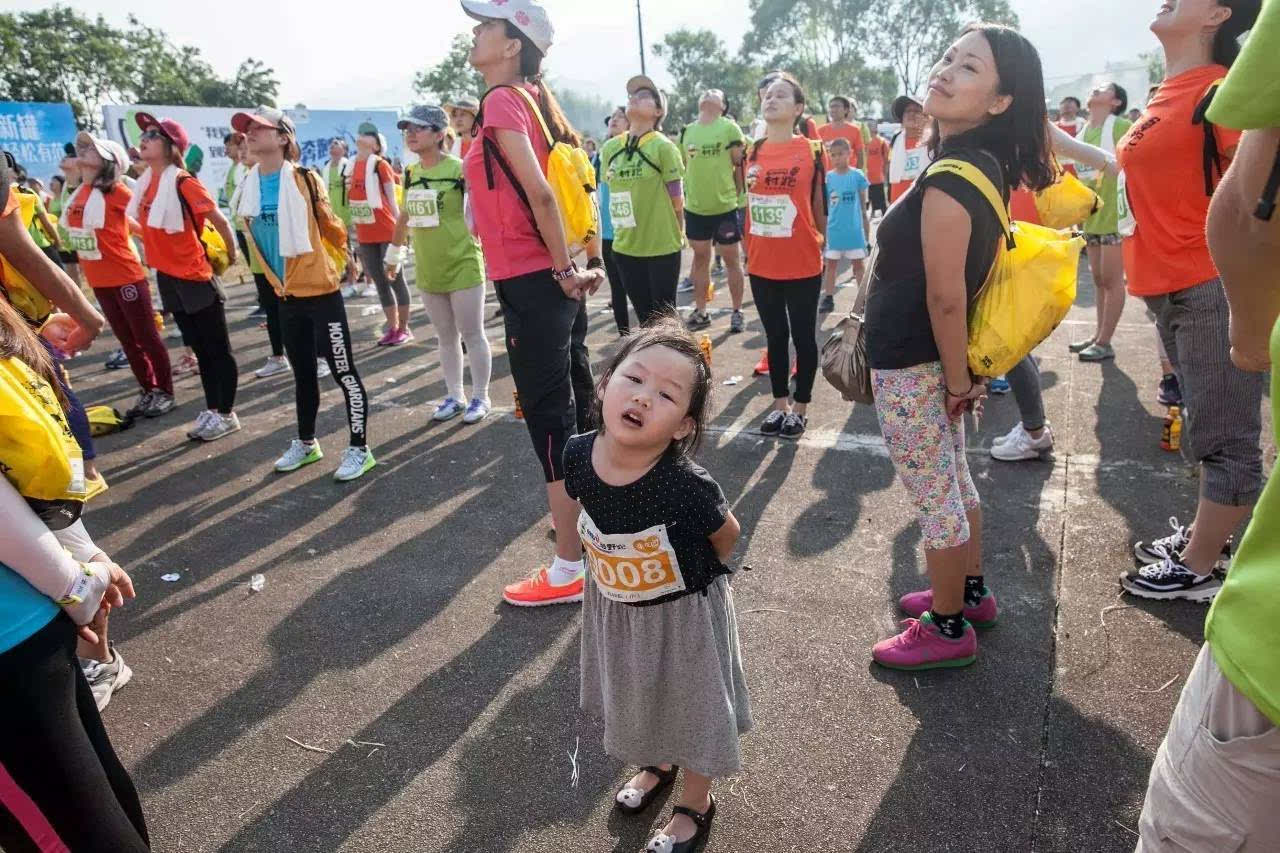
(153, 134)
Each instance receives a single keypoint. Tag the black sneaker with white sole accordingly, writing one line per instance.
(773, 422)
(827, 305)
(793, 425)
(1147, 553)
(1169, 579)
(698, 320)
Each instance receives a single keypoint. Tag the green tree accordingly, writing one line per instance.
(697, 60)
(585, 112)
(910, 35)
(822, 42)
(1155, 65)
(452, 77)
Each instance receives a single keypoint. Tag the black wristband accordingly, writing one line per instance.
(595, 263)
(951, 393)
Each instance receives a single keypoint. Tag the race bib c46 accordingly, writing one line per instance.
(771, 215)
(621, 210)
(361, 212)
(422, 205)
(84, 242)
(631, 567)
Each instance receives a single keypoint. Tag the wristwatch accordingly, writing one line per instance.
(568, 272)
(595, 263)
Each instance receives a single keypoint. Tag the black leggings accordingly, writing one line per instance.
(58, 771)
(270, 303)
(617, 290)
(390, 292)
(650, 282)
(584, 386)
(205, 331)
(309, 323)
(789, 311)
(539, 321)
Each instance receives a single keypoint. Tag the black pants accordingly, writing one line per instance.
(270, 303)
(198, 309)
(390, 291)
(244, 253)
(539, 321)
(650, 282)
(789, 311)
(319, 323)
(584, 386)
(876, 195)
(617, 290)
(58, 754)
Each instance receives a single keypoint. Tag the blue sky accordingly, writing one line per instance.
(320, 64)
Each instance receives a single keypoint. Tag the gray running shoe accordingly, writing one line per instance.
(143, 403)
(736, 323)
(161, 404)
(106, 678)
(698, 320)
(219, 426)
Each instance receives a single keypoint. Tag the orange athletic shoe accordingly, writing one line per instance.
(537, 591)
(762, 366)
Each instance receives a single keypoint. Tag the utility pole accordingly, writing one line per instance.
(640, 31)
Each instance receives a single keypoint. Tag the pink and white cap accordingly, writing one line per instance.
(527, 16)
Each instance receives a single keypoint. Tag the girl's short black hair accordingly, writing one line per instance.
(1019, 136)
(1226, 40)
(1122, 95)
(665, 330)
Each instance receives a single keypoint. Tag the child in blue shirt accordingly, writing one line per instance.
(847, 225)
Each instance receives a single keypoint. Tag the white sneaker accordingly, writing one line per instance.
(477, 411)
(202, 420)
(298, 454)
(276, 364)
(448, 409)
(1019, 446)
(348, 291)
(322, 368)
(219, 426)
(355, 462)
(1010, 434)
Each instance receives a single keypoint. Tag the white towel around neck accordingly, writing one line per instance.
(343, 170)
(95, 210)
(291, 210)
(166, 209)
(372, 189)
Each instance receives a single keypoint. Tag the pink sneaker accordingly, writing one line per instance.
(387, 339)
(922, 646)
(914, 604)
(399, 336)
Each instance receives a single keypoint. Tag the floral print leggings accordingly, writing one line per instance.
(927, 449)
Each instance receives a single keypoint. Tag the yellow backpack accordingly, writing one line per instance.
(570, 174)
(1066, 202)
(31, 304)
(38, 453)
(1030, 288)
(215, 248)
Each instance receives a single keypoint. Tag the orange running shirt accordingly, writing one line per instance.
(782, 237)
(180, 255)
(899, 189)
(117, 265)
(877, 158)
(851, 132)
(1162, 156)
(383, 227)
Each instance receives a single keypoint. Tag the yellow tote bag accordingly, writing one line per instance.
(1030, 289)
(1066, 202)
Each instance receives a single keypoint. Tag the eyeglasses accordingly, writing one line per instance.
(153, 134)
(84, 147)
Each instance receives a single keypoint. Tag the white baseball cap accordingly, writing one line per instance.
(527, 16)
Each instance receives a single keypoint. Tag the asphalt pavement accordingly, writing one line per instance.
(376, 696)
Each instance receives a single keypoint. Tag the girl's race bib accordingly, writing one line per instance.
(914, 164)
(1128, 224)
(621, 210)
(631, 567)
(361, 212)
(772, 215)
(423, 208)
(84, 242)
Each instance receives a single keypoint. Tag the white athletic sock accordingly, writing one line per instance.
(564, 571)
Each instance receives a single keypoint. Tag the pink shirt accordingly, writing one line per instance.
(504, 223)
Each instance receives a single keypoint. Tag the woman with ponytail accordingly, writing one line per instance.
(1172, 160)
(527, 254)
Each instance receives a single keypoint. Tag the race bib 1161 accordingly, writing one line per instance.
(422, 206)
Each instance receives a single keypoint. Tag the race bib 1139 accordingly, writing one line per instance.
(772, 215)
(84, 242)
(361, 212)
(631, 567)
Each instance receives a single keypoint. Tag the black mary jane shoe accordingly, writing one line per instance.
(633, 801)
(663, 843)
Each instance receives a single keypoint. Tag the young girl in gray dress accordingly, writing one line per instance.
(660, 656)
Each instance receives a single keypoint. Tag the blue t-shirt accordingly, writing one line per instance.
(602, 190)
(265, 226)
(844, 221)
(24, 610)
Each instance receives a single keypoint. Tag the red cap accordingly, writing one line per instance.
(167, 126)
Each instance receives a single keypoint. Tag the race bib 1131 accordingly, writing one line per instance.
(361, 212)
